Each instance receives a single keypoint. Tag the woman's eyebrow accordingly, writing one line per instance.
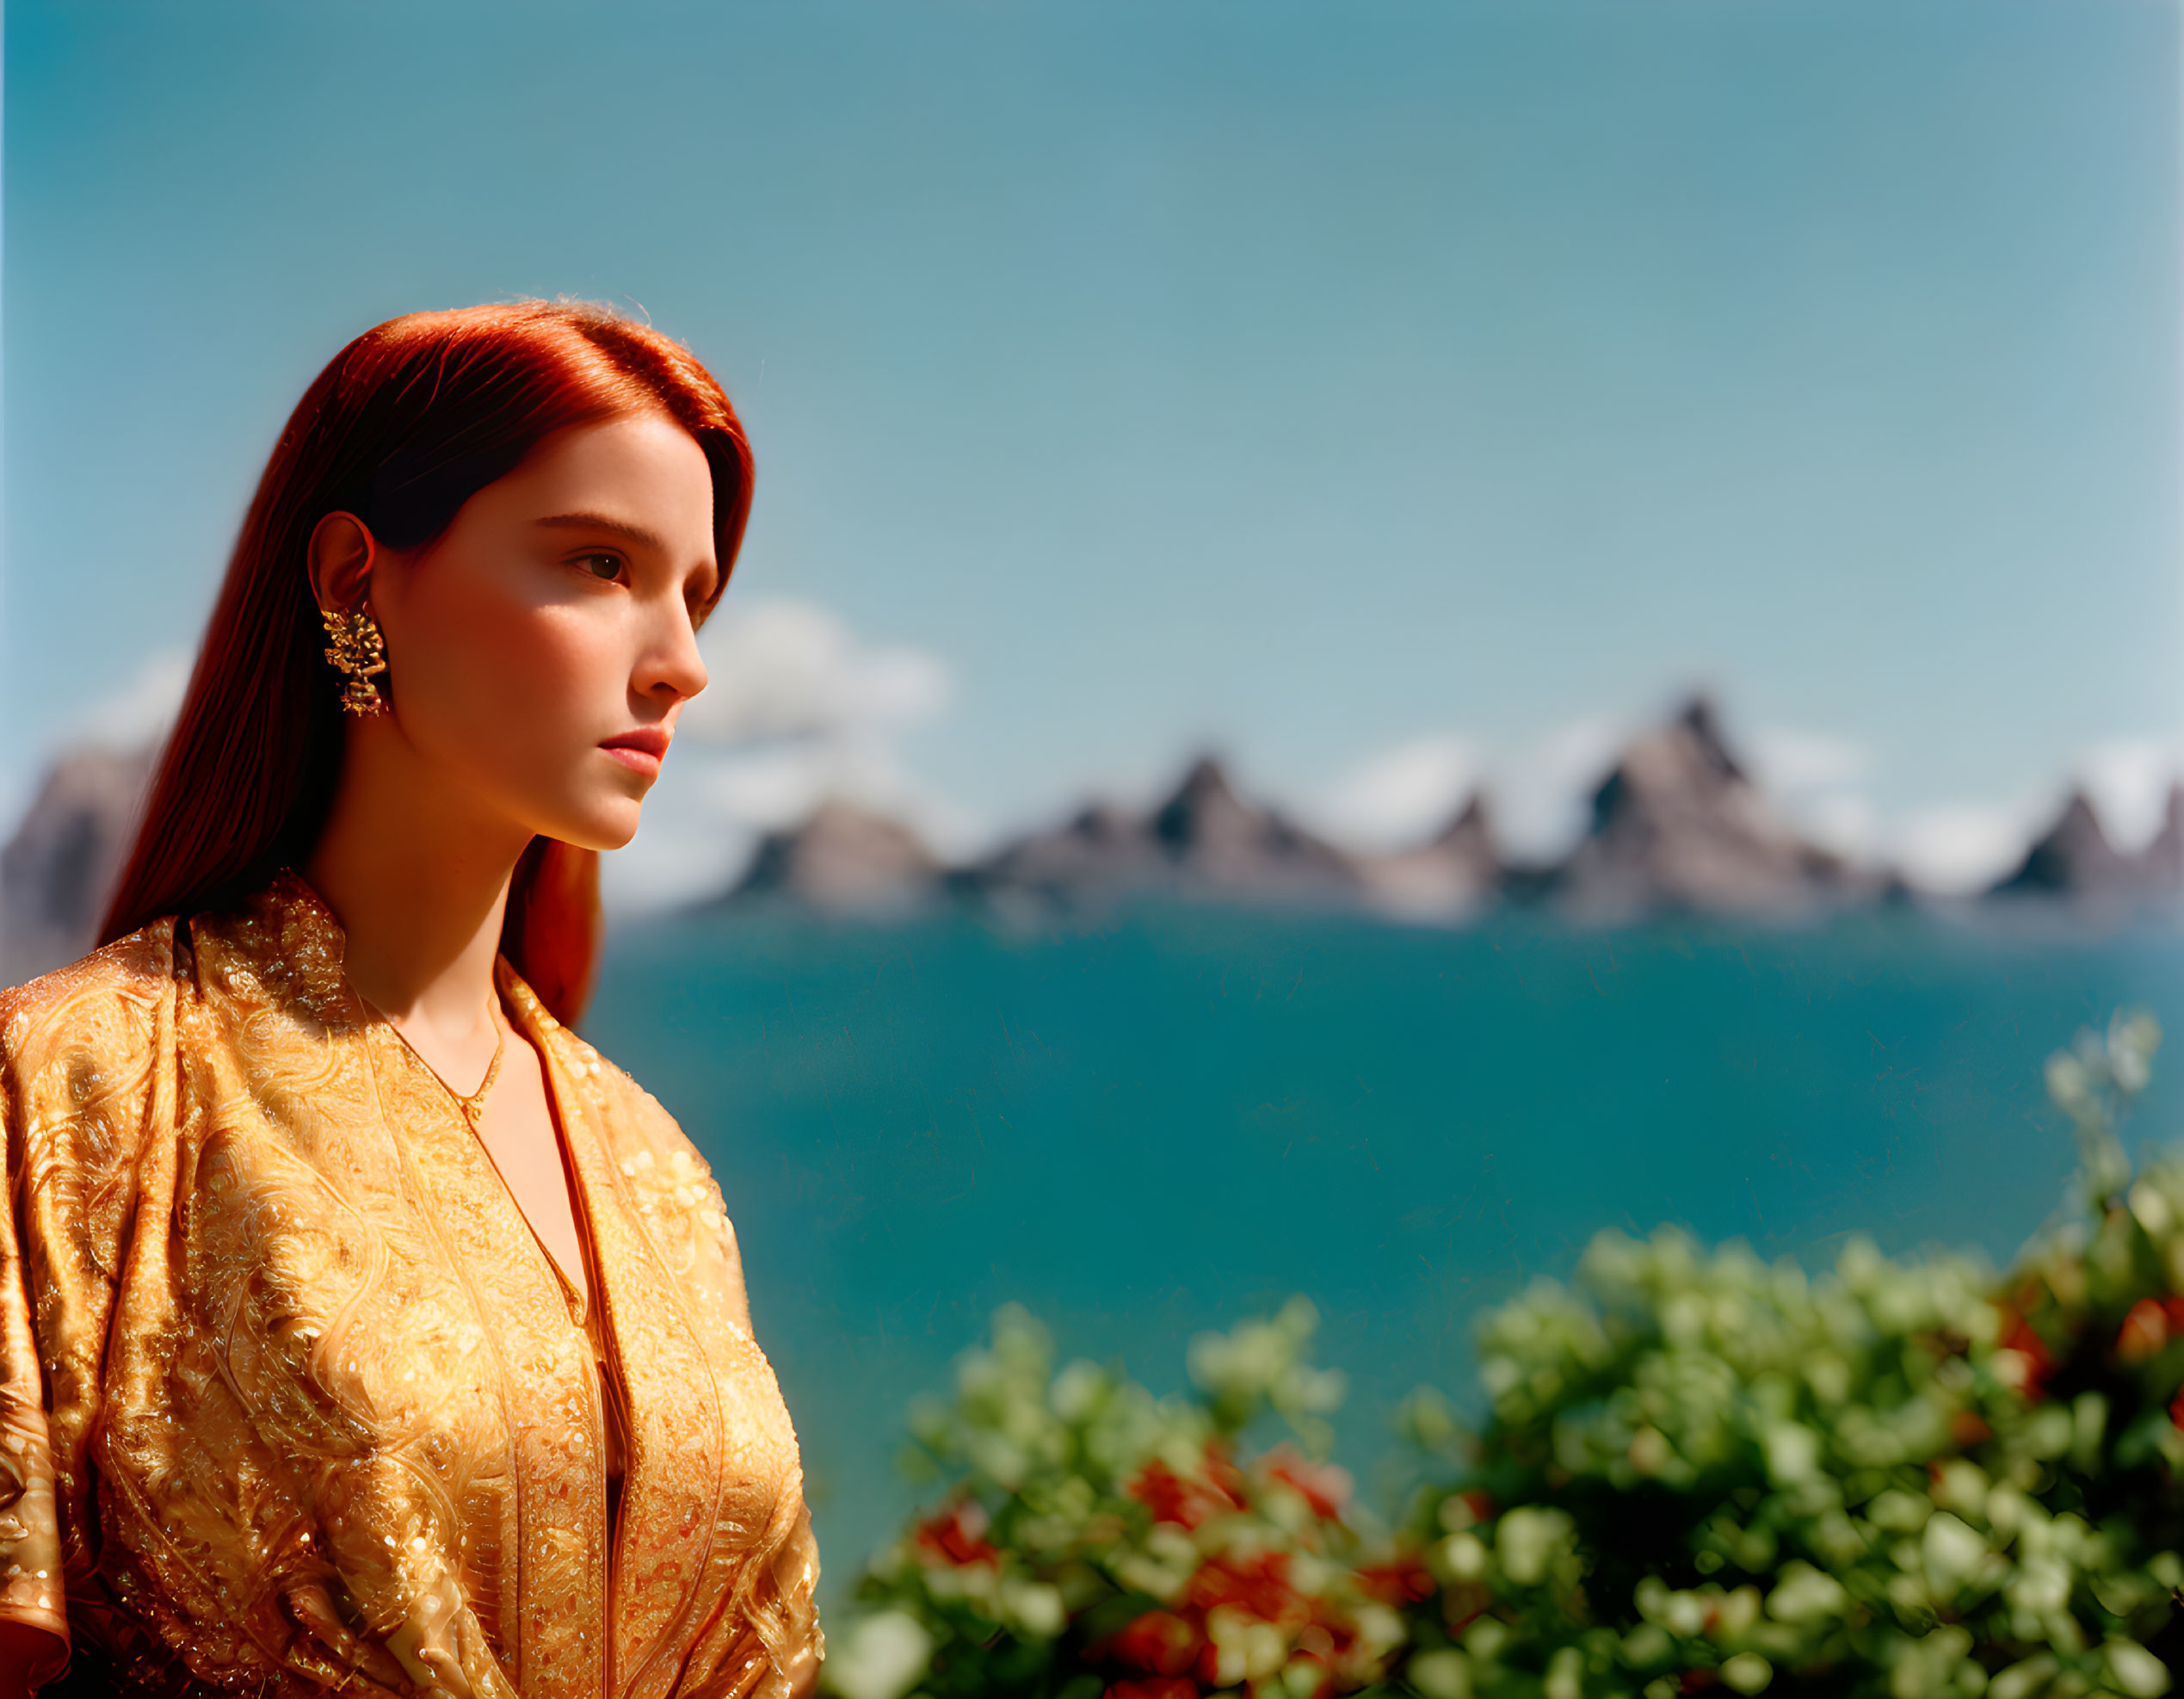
(600, 521)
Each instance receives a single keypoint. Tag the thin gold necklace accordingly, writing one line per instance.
(473, 1104)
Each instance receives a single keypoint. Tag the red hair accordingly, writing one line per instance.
(403, 426)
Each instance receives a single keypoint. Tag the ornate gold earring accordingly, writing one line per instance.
(359, 652)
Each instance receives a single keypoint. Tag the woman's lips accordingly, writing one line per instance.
(640, 750)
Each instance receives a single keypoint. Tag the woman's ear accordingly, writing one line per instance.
(341, 556)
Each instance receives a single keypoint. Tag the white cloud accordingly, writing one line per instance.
(798, 708)
(1785, 761)
(1815, 779)
(143, 710)
(1963, 847)
(1960, 848)
(1539, 790)
(1845, 821)
(1402, 794)
(794, 670)
(2128, 781)
(773, 785)
(1543, 790)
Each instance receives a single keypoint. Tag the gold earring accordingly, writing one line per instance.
(359, 652)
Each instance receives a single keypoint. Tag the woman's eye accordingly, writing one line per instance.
(603, 565)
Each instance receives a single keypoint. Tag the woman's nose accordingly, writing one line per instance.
(674, 665)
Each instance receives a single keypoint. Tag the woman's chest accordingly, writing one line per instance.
(377, 1347)
(379, 1351)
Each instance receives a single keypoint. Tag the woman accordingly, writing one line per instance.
(361, 1329)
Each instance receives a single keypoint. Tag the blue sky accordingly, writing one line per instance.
(1390, 394)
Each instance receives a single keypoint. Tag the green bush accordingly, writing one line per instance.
(1094, 1536)
(1904, 1477)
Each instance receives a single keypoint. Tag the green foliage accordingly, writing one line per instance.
(1904, 1478)
(1094, 1535)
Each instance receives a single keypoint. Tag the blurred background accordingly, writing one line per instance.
(1374, 637)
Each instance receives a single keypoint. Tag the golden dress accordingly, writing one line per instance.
(291, 1397)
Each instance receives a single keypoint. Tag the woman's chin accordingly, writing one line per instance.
(607, 826)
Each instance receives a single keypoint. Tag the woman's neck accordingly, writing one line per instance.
(417, 874)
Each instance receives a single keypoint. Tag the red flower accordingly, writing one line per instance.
(2176, 1410)
(1968, 1427)
(2143, 1332)
(1259, 1587)
(1158, 1643)
(956, 1536)
(1399, 1582)
(1170, 1497)
(1325, 1488)
(2017, 1335)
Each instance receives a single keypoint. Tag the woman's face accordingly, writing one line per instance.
(539, 649)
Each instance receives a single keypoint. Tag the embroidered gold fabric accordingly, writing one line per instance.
(290, 1399)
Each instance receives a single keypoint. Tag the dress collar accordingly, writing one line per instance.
(295, 939)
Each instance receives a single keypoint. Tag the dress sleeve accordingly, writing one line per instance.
(78, 1073)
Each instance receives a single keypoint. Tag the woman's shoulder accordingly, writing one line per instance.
(110, 997)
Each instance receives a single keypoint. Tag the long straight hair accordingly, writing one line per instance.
(403, 426)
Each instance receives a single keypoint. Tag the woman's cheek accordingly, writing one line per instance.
(497, 705)
(517, 696)
(574, 690)
(577, 666)
(483, 655)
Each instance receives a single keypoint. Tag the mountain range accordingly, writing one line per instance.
(1677, 824)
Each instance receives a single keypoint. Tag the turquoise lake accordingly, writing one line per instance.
(1174, 1121)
